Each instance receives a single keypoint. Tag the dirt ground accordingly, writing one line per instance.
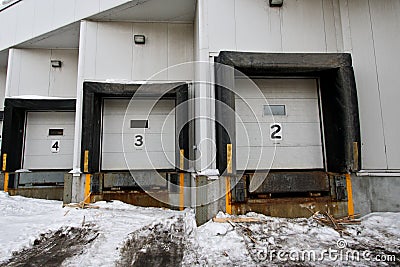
(158, 244)
(52, 248)
(161, 244)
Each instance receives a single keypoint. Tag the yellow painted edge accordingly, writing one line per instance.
(229, 158)
(181, 180)
(6, 182)
(86, 161)
(350, 203)
(87, 189)
(181, 158)
(355, 155)
(181, 191)
(228, 205)
(4, 165)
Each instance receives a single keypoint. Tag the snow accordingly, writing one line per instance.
(23, 220)
(378, 234)
(212, 174)
(37, 97)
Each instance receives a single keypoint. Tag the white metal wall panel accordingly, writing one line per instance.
(30, 72)
(26, 12)
(32, 76)
(118, 149)
(181, 35)
(301, 144)
(3, 76)
(385, 21)
(299, 26)
(303, 26)
(113, 62)
(37, 147)
(221, 32)
(42, 17)
(152, 57)
(332, 26)
(110, 51)
(1, 131)
(63, 80)
(372, 132)
(263, 27)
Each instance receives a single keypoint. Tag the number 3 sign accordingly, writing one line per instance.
(139, 141)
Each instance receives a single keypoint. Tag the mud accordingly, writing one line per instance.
(53, 248)
(160, 244)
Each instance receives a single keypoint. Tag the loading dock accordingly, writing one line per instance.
(144, 141)
(37, 135)
(336, 147)
(119, 143)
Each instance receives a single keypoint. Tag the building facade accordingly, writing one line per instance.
(233, 105)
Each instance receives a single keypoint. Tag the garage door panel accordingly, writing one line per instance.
(156, 123)
(137, 107)
(38, 131)
(297, 110)
(299, 158)
(139, 161)
(157, 142)
(276, 88)
(38, 153)
(51, 118)
(41, 163)
(297, 142)
(40, 147)
(293, 134)
(152, 142)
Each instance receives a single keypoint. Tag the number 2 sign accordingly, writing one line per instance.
(55, 146)
(275, 131)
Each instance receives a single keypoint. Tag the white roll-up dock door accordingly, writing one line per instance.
(287, 113)
(144, 141)
(49, 140)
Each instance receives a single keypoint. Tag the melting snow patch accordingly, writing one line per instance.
(262, 242)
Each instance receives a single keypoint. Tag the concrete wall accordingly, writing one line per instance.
(31, 73)
(373, 194)
(110, 52)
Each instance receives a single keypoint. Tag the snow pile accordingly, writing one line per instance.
(293, 242)
(24, 219)
(119, 234)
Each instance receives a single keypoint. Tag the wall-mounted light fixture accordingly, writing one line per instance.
(56, 63)
(139, 39)
(275, 3)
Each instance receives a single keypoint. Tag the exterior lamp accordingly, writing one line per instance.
(139, 39)
(275, 3)
(56, 63)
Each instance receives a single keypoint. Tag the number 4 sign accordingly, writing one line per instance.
(55, 146)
